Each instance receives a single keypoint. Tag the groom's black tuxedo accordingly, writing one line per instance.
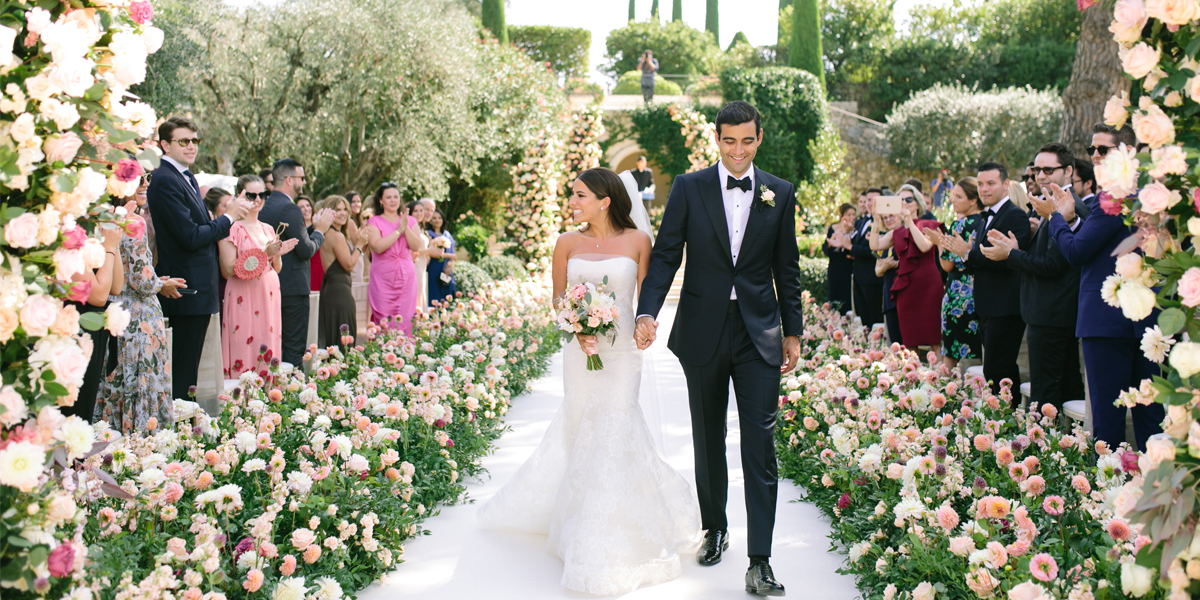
(718, 339)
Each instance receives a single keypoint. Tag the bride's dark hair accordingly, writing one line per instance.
(606, 184)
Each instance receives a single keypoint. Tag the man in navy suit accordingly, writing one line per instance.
(294, 278)
(739, 318)
(868, 287)
(1111, 353)
(186, 236)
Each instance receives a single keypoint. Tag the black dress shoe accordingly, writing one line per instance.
(716, 541)
(761, 580)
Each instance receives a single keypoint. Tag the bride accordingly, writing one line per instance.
(616, 513)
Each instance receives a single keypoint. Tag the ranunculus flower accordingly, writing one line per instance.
(62, 148)
(62, 560)
(22, 231)
(1156, 198)
(1137, 300)
(1129, 18)
(1153, 127)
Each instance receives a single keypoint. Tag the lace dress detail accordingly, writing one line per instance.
(616, 513)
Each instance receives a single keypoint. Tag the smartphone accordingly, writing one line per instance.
(887, 205)
(186, 291)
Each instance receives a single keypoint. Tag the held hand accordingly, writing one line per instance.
(646, 333)
(587, 343)
(449, 268)
(170, 287)
(273, 248)
(791, 354)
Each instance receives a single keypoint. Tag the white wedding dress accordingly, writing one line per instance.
(615, 512)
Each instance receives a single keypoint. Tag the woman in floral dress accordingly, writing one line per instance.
(137, 386)
(960, 326)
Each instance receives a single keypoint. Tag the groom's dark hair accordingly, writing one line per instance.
(606, 184)
(738, 112)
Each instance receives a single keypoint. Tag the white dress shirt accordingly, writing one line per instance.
(737, 211)
(995, 211)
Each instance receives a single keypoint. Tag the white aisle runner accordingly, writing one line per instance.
(463, 561)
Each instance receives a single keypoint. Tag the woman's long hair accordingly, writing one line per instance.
(970, 187)
(377, 197)
(332, 202)
(604, 183)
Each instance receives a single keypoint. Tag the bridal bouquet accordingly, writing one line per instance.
(589, 309)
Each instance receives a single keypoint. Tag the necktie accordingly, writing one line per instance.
(741, 184)
(192, 179)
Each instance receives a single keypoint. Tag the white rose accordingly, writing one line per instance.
(38, 313)
(23, 129)
(22, 231)
(8, 36)
(63, 147)
(64, 114)
(93, 253)
(129, 69)
(925, 591)
(91, 184)
(1136, 579)
(1129, 265)
(1137, 300)
(67, 264)
(65, 41)
(1185, 358)
(1140, 60)
(117, 319)
(152, 37)
(1118, 172)
(40, 87)
(73, 76)
(37, 20)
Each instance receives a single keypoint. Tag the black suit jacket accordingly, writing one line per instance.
(294, 277)
(1049, 284)
(766, 276)
(186, 240)
(997, 284)
(864, 257)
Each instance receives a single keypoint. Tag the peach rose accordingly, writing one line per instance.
(38, 313)
(302, 538)
(1153, 127)
(1173, 12)
(1156, 198)
(961, 545)
(22, 231)
(1140, 60)
(67, 322)
(1116, 110)
(62, 148)
(1168, 160)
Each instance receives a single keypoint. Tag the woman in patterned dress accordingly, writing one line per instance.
(960, 326)
(137, 386)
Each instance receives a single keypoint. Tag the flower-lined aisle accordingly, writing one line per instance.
(936, 488)
(302, 486)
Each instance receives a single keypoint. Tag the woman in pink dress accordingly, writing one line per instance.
(393, 288)
(250, 260)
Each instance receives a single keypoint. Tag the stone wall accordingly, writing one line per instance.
(867, 152)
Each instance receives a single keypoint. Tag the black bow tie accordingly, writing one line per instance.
(989, 212)
(742, 184)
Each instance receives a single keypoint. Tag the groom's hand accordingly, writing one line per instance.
(791, 354)
(647, 331)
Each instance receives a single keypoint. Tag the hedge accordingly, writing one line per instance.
(502, 267)
(792, 104)
(679, 48)
(470, 278)
(814, 277)
(956, 127)
(659, 137)
(630, 84)
(565, 49)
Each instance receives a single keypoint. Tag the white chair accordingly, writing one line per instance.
(210, 378)
(314, 312)
(1075, 409)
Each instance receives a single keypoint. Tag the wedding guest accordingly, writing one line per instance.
(339, 254)
(1084, 180)
(100, 283)
(885, 269)
(268, 178)
(644, 177)
(917, 287)
(960, 324)
(356, 206)
(648, 66)
(357, 221)
(423, 252)
(1111, 343)
(1049, 287)
(441, 270)
(940, 187)
(305, 204)
(997, 285)
(217, 199)
(868, 287)
(251, 258)
(837, 247)
(394, 287)
(294, 280)
(187, 248)
(137, 384)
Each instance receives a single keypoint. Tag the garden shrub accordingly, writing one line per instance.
(501, 267)
(563, 49)
(470, 278)
(956, 127)
(814, 273)
(679, 48)
(630, 84)
(792, 104)
(659, 137)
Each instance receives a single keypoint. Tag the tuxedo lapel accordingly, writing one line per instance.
(756, 213)
(710, 196)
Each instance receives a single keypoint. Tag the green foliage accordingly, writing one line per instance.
(855, 37)
(821, 195)
(814, 277)
(583, 86)
(678, 48)
(970, 126)
(660, 138)
(738, 38)
(630, 84)
(792, 104)
(705, 86)
(469, 277)
(493, 19)
(473, 238)
(501, 267)
(712, 21)
(677, 10)
(804, 48)
(564, 48)
(654, 10)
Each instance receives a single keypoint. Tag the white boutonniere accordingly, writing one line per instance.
(768, 197)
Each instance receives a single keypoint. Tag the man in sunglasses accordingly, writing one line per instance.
(1049, 286)
(186, 240)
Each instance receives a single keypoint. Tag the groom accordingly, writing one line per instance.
(739, 317)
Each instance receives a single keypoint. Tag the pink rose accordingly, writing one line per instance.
(62, 148)
(74, 239)
(22, 231)
(141, 12)
(38, 313)
(1129, 18)
(15, 409)
(1141, 60)
(135, 227)
(79, 291)
(302, 538)
(1156, 198)
(1189, 287)
(127, 170)
(1153, 127)
(1027, 591)
(1113, 207)
(61, 561)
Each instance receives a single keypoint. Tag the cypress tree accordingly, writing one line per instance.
(711, 22)
(493, 19)
(677, 10)
(632, 10)
(782, 5)
(804, 49)
(654, 10)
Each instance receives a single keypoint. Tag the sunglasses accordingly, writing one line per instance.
(1043, 170)
(1101, 150)
(910, 200)
(388, 184)
(146, 178)
(188, 142)
(257, 195)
